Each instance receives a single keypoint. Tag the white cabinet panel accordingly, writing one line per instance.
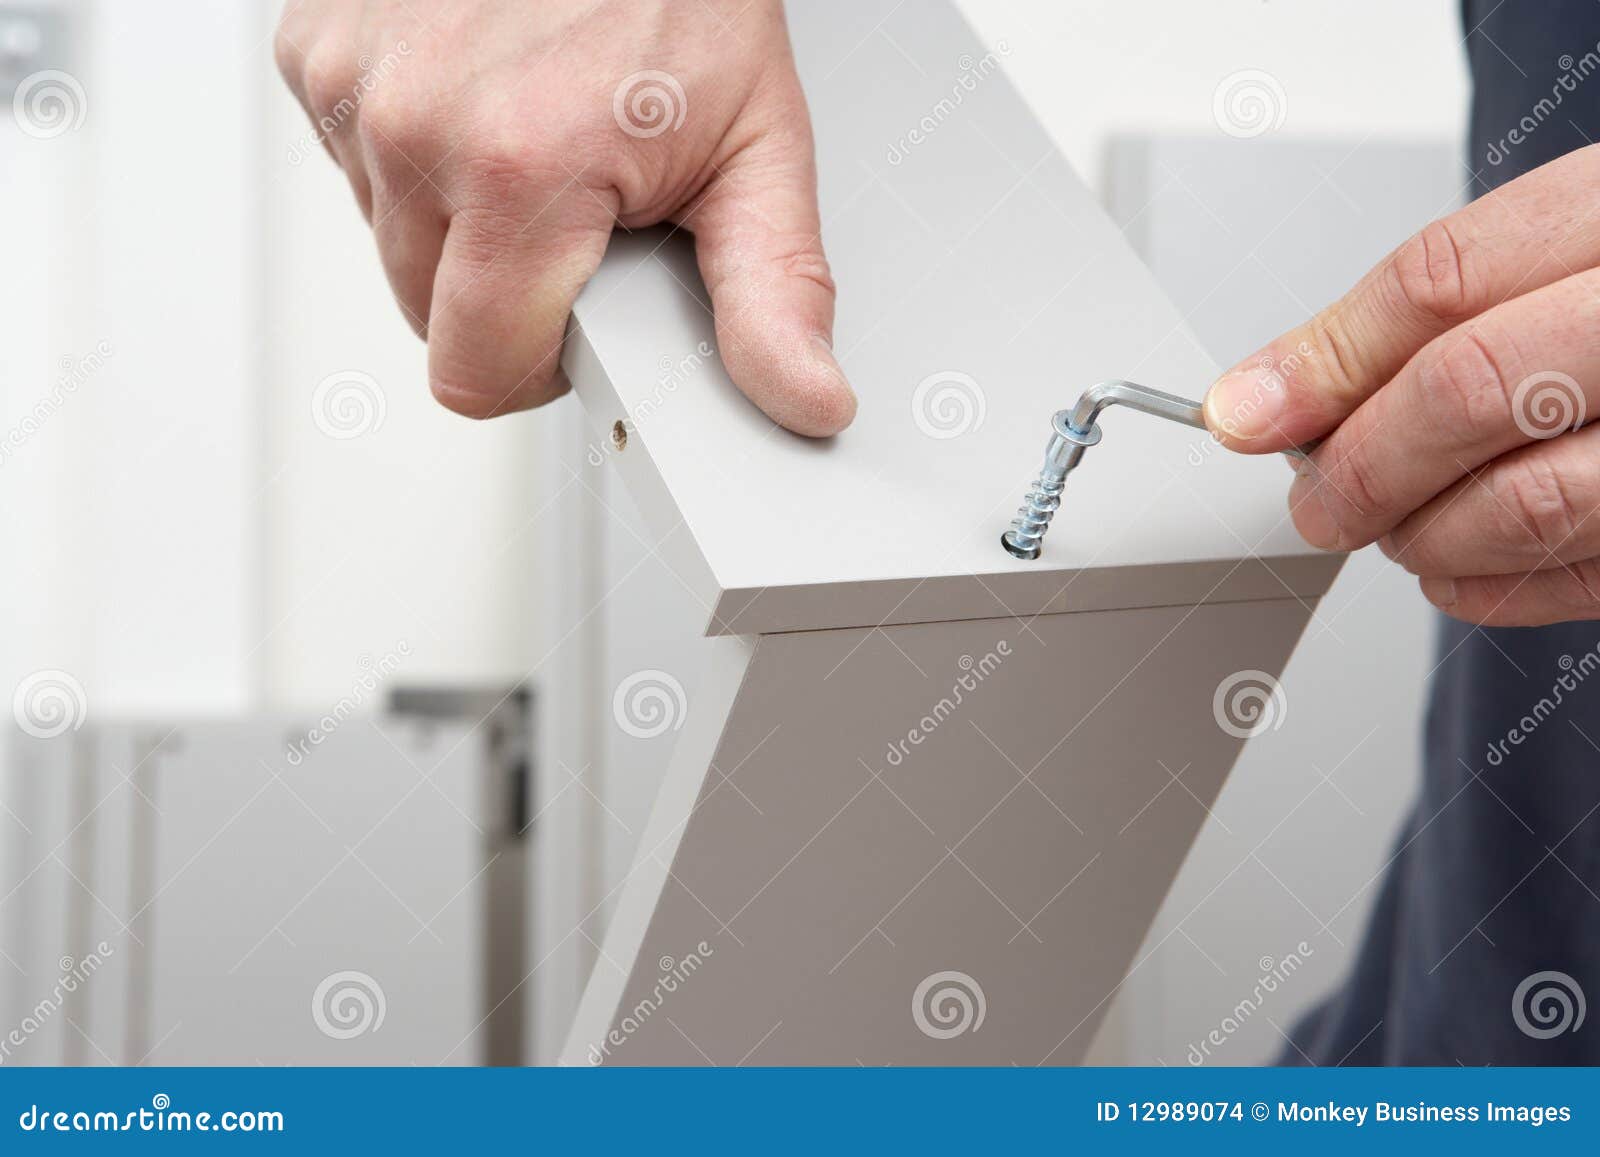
(841, 832)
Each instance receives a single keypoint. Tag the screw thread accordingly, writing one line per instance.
(1038, 507)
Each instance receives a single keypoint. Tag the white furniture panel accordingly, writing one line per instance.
(861, 579)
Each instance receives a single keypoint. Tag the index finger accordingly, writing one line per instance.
(1517, 239)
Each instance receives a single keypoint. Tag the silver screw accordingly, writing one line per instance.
(1039, 505)
(1072, 432)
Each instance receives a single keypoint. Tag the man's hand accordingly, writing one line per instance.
(1452, 379)
(493, 146)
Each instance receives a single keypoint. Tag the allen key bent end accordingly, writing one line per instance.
(1074, 431)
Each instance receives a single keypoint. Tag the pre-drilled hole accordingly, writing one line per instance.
(619, 435)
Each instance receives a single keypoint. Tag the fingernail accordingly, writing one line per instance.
(1308, 504)
(830, 362)
(1441, 592)
(837, 411)
(1241, 406)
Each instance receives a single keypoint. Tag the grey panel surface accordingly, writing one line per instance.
(816, 880)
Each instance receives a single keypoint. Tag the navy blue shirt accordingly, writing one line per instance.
(1484, 946)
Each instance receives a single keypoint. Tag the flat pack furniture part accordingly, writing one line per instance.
(926, 797)
(137, 873)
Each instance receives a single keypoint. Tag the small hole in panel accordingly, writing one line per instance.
(619, 435)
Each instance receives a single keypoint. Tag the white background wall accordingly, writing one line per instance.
(186, 539)
(231, 280)
(1094, 68)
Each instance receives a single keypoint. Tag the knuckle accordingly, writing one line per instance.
(1358, 484)
(1431, 273)
(769, 261)
(1465, 386)
(1340, 368)
(285, 52)
(394, 129)
(1414, 552)
(1579, 595)
(330, 77)
(810, 264)
(1539, 503)
(511, 168)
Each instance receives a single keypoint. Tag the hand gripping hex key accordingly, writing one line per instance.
(1074, 431)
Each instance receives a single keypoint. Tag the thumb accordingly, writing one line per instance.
(757, 237)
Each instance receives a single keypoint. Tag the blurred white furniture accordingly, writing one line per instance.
(925, 798)
(196, 892)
